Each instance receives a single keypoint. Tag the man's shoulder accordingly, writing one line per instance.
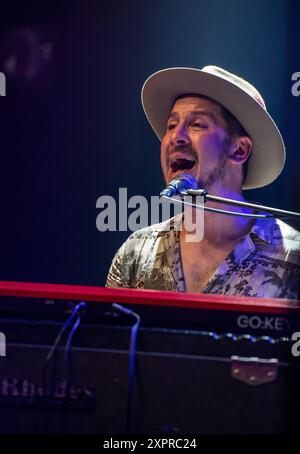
(288, 236)
(285, 243)
(157, 230)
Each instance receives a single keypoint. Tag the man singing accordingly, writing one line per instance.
(213, 125)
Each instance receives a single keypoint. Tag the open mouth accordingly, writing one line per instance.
(182, 164)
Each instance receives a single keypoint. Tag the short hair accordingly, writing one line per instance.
(233, 126)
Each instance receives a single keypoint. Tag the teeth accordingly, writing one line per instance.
(182, 163)
(183, 157)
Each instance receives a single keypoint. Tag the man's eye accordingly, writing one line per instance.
(196, 124)
(171, 126)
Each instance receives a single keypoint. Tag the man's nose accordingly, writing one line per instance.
(179, 136)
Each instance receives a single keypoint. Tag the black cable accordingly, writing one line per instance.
(70, 338)
(68, 358)
(131, 365)
(53, 350)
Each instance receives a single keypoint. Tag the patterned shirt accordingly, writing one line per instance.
(265, 263)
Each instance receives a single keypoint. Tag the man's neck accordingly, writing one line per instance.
(222, 230)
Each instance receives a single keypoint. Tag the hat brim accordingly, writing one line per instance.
(268, 153)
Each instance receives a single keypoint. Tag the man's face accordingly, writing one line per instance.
(196, 142)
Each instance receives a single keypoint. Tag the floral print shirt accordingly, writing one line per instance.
(265, 263)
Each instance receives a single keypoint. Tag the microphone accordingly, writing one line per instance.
(179, 185)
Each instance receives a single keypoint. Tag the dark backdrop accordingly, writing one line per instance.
(73, 129)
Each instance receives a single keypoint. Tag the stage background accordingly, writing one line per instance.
(72, 126)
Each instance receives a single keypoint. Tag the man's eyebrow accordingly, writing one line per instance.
(202, 112)
(195, 113)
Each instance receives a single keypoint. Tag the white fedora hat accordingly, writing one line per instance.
(237, 95)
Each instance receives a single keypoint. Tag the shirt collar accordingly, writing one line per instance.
(264, 229)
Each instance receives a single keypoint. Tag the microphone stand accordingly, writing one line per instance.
(254, 206)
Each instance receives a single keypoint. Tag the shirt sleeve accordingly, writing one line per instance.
(129, 263)
(115, 277)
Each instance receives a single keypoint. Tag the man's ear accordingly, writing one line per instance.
(240, 149)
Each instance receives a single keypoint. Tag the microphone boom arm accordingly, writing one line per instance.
(254, 206)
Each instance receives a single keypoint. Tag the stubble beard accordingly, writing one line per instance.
(217, 174)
